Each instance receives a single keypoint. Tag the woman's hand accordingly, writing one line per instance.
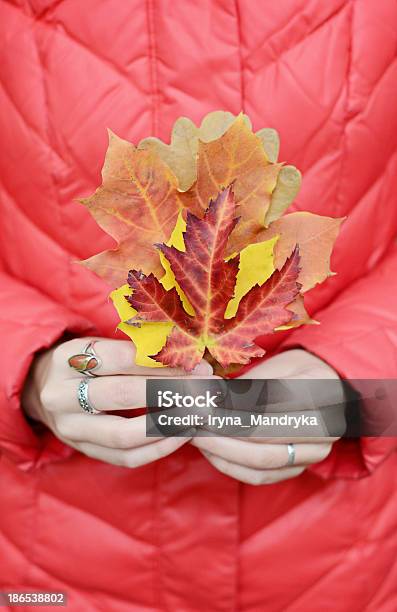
(263, 460)
(50, 396)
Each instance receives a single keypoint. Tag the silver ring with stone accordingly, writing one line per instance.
(86, 361)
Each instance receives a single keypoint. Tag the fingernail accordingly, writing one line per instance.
(203, 369)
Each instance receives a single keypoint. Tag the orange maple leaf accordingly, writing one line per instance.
(137, 204)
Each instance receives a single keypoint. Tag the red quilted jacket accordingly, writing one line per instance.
(177, 534)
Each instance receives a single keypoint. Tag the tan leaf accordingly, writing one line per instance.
(181, 154)
(271, 143)
(285, 192)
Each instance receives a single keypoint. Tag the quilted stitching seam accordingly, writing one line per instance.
(239, 42)
(343, 147)
(253, 55)
(49, 132)
(60, 30)
(154, 93)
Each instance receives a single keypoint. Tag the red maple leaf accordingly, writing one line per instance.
(208, 282)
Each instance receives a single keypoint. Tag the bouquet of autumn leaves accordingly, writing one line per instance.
(206, 261)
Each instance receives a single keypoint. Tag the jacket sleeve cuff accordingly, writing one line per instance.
(358, 339)
(349, 458)
(22, 441)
